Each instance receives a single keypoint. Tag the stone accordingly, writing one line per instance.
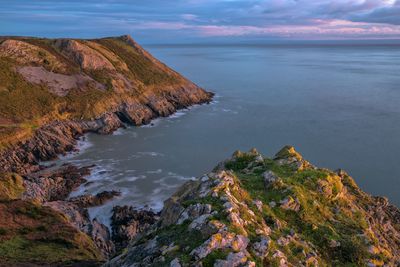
(269, 178)
(233, 260)
(290, 203)
(261, 247)
(175, 263)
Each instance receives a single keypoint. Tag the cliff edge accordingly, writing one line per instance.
(54, 90)
(256, 211)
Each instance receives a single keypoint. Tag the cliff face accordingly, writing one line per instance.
(55, 90)
(256, 211)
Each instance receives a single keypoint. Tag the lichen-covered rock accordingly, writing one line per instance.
(226, 218)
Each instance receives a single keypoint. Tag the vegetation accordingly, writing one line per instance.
(25, 106)
(11, 186)
(30, 233)
(323, 218)
(140, 66)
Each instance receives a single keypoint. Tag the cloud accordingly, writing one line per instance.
(204, 18)
(189, 17)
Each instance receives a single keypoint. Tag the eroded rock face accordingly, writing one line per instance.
(229, 217)
(84, 55)
(52, 185)
(127, 223)
(80, 219)
(99, 199)
(58, 84)
(25, 53)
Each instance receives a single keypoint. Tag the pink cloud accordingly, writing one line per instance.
(317, 28)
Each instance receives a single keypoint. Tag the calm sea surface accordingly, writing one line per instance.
(338, 105)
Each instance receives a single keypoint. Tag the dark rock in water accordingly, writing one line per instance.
(86, 201)
(127, 222)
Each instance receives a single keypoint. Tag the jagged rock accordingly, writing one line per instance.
(175, 263)
(102, 238)
(99, 199)
(269, 178)
(233, 260)
(79, 218)
(290, 203)
(289, 156)
(51, 185)
(194, 211)
(258, 204)
(126, 223)
(219, 241)
(261, 247)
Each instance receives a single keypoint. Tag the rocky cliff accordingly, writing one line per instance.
(54, 90)
(257, 211)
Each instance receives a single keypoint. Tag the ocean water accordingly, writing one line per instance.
(339, 105)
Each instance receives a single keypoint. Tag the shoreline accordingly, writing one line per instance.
(103, 213)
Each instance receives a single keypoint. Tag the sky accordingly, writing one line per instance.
(179, 21)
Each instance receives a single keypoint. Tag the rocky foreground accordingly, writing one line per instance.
(256, 211)
(249, 211)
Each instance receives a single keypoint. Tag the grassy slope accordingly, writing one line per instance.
(31, 233)
(25, 106)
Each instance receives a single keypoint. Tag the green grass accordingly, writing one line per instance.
(141, 68)
(315, 222)
(21, 250)
(38, 234)
(218, 254)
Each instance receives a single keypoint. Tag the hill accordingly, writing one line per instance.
(87, 85)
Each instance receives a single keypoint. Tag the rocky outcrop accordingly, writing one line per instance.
(52, 140)
(58, 84)
(52, 185)
(87, 201)
(100, 85)
(127, 223)
(80, 219)
(86, 57)
(256, 211)
(51, 188)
